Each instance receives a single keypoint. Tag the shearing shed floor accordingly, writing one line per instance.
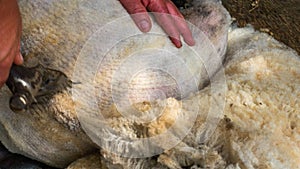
(281, 19)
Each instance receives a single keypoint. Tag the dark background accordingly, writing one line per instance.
(279, 18)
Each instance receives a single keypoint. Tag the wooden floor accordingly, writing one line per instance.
(281, 19)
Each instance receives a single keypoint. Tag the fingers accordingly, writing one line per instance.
(165, 21)
(138, 13)
(174, 25)
(181, 24)
(171, 21)
(18, 59)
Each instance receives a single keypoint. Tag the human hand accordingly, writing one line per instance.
(10, 34)
(173, 26)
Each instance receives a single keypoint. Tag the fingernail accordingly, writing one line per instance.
(176, 42)
(192, 43)
(144, 26)
(21, 57)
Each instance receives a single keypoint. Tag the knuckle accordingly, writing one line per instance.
(2, 81)
(138, 9)
(158, 6)
(133, 7)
